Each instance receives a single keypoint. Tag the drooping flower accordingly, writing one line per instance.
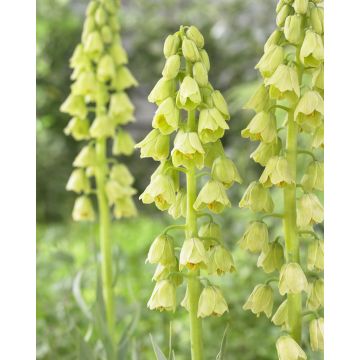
(257, 198)
(293, 29)
(312, 49)
(316, 331)
(220, 261)
(166, 117)
(172, 67)
(262, 127)
(155, 145)
(163, 297)
(265, 151)
(225, 171)
(315, 298)
(211, 302)
(255, 237)
(281, 317)
(288, 349)
(272, 58)
(260, 300)
(212, 125)
(189, 96)
(309, 211)
(271, 257)
(315, 255)
(83, 209)
(86, 157)
(292, 279)
(178, 208)
(78, 182)
(123, 143)
(313, 177)
(259, 101)
(276, 172)
(193, 255)
(163, 89)
(162, 251)
(125, 208)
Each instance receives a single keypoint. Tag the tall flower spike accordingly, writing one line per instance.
(185, 146)
(98, 105)
(292, 71)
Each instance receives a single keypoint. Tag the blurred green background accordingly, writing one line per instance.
(67, 252)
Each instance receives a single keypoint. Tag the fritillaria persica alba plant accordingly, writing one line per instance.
(292, 69)
(99, 106)
(188, 124)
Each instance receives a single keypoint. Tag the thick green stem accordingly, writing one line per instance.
(290, 229)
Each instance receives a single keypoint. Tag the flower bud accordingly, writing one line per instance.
(205, 59)
(123, 143)
(301, 6)
(213, 196)
(309, 211)
(200, 74)
(288, 349)
(172, 67)
(190, 50)
(212, 125)
(265, 151)
(91, 8)
(318, 140)
(220, 104)
(78, 129)
(100, 16)
(106, 68)
(93, 45)
(225, 171)
(255, 238)
(271, 257)
(178, 208)
(79, 60)
(121, 108)
(317, 19)
(162, 251)
(118, 54)
(86, 157)
(189, 96)
(316, 295)
(220, 261)
(312, 49)
(284, 12)
(85, 84)
(115, 191)
(317, 80)
(272, 58)
(316, 331)
(161, 190)
(83, 209)
(262, 127)
(185, 302)
(259, 101)
(212, 151)
(210, 230)
(125, 208)
(89, 26)
(293, 29)
(257, 198)
(121, 174)
(260, 300)
(195, 35)
(315, 258)
(123, 79)
(193, 255)
(211, 302)
(284, 83)
(166, 117)
(274, 39)
(276, 172)
(171, 45)
(162, 90)
(78, 182)
(154, 145)
(313, 177)
(280, 317)
(106, 34)
(166, 168)
(187, 150)
(163, 297)
(292, 279)
(75, 106)
(101, 127)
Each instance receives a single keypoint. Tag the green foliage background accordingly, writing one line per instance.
(235, 31)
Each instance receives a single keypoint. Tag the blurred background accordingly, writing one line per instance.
(67, 252)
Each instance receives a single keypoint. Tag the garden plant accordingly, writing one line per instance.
(188, 125)
(292, 70)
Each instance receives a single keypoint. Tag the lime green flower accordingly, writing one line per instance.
(78, 182)
(118, 53)
(317, 19)
(172, 67)
(155, 145)
(313, 177)
(106, 68)
(220, 261)
(316, 331)
(283, 13)
(317, 80)
(85, 84)
(212, 151)
(271, 257)
(293, 29)
(259, 101)
(262, 127)
(318, 139)
(193, 255)
(276, 173)
(167, 168)
(301, 6)
(115, 191)
(211, 126)
(100, 16)
(190, 50)
(257, 198)
(101, 127)
(75, 106)
(260, 300)
(256, 237)
(211, 302)
(123, 143)
(220, 103)
(265, 151)
(86, 157)
(171, 45)
(83, 209)
(78, 129)
(195, 35)
(121, 109)
(123, 79)
(315, 298)
(163, 89)
(315, 258)
(280, 318)
(288, 349)
(188, 150)
(205, 59)
(312, 49)
(185, 302)
(189, 96)
(271, 59)
(93, 45)
(309, 211)
(213, 196)
(212, 231)
(292, 279)
(225, 171)
(200, 74)
(125, 208)
(178, 208)
(274, 39)
(121, 174)
(163, 297)
(166, 117)
(162, 251)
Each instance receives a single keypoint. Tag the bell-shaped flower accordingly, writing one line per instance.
(78, 182)
(288, 349)
(220, 103)
(271, 257)
(161, 190)
(166, 168)
(188, 96)
(276, 172)
(213, 196)
(309, 211)
(220, 261)
(225, 171)
(292, 279)
(190, 50)
(121, 174)
(260, 300)
(163, 297)
(123, 143)
(280, 318)
(318, 139)
(123, 79)
(166, 117)
(78, 129)
(83, 209)
(259, 101)
(188, 150)
(75, 106)
(212, 151)
(86, 157)
(262, 127)
(200, 74)
(118, 53)
(300, 6)
(282, 13)
(124, 208)
(315, 255)
(84, 84)
(274, 39)
(284, 83)
(317, 19)
(265, 151)
(211, 232)
(256, 237)
(315, 298)
(211, 303)
(312, 49)
(93, 45)
(171, 45)
(293, 29)
(121, 109)
(316, 331)
(162, 251)
(107, 34)
(211, 126)
(100, 16)
(155, 145)
(172, 67)
(272, 58)
(178, 208)
(257, 198)
(195, 35)
(102, 127)
(163, 89)
(313, 177)
(193, 255)
(115, 191)
(106, 68)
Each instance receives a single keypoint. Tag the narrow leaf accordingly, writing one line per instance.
(159, 354)
(221, 354)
